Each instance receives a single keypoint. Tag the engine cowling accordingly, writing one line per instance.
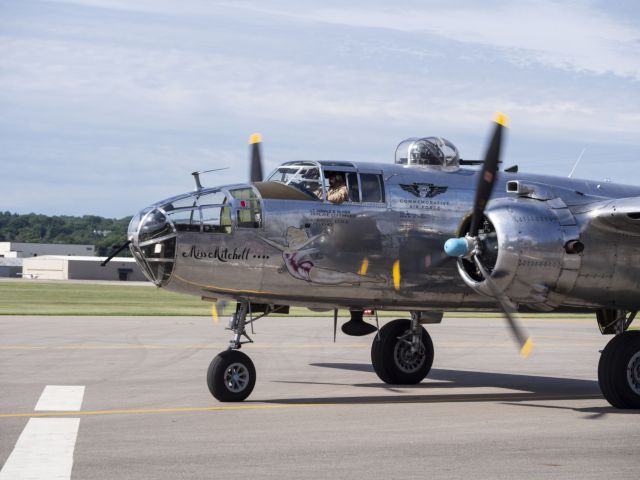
(524, 246)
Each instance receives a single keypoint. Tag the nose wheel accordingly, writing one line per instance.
(231, 376)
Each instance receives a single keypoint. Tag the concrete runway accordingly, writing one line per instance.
(318, 410)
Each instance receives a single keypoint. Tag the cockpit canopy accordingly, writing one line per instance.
(428, 151)
(304, 176)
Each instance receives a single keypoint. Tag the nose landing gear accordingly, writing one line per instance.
(232, 375)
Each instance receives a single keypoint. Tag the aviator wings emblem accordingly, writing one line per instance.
(424, 190)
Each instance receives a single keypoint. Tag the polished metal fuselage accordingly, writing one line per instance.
(321, 255)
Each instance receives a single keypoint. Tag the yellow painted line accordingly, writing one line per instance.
(179, 347)
(163, 410)
(471, 398)
(564, 342)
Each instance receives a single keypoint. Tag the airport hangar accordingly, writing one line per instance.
(53, 261)
(26, 250)
(59, 267)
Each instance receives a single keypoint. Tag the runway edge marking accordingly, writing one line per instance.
(61, 398)
(46, 445)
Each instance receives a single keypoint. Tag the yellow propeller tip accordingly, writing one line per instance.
(255, 138)
(526, 348)
(364, 267)
(501, 119)
(214, 313)
(396, 274)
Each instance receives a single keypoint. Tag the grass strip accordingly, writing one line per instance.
(121, 299)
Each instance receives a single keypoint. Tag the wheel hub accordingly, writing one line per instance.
(236, 377)
(633, 373)
(406, 358)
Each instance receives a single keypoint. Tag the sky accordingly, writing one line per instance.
(107, 105)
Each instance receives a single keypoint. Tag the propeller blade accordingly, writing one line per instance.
(115, 252)
(216, 310)
(487, 176)
(335, 324)
(364, 267)
(396, 274)
(255, 173)
(524, 341)
(436, 260)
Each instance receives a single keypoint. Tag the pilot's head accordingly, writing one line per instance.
(336, 179)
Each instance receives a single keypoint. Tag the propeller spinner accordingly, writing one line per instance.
(470, 245)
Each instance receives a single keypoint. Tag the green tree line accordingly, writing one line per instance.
(104, 233)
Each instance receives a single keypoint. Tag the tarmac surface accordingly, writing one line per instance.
(318, 409)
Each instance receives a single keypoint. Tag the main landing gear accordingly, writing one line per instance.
(619, 370)
(402, 352)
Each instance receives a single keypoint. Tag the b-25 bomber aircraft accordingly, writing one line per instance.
(424, 235)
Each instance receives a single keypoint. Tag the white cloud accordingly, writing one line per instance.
(566, 35)
(139, 100)
(134, 86)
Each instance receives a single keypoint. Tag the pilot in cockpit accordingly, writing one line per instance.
(337, 192)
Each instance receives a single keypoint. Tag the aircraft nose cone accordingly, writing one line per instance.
(153, 243)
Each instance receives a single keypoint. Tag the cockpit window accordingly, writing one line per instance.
(183, 202)
(249, 210)
(216, 219)
(185, 219)
(216, 212)
(305, 178)
(212, 198)
(372, 187)
(207, 211)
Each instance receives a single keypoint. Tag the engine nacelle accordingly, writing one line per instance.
(525, 248)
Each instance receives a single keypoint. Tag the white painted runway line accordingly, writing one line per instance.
(45, 447)
(61, 398)
(43, 451)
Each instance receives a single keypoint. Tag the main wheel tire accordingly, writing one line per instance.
(231, 376)
(619, 370)
(393, 360)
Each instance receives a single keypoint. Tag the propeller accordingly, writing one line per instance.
(255, 175)
(470, 246)
(217, 309)
(255, 172)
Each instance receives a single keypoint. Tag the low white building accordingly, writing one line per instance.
(58, 267)
(25, 250)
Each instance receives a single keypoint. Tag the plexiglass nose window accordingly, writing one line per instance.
(154, 225)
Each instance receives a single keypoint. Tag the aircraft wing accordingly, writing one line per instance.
(621, 215)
